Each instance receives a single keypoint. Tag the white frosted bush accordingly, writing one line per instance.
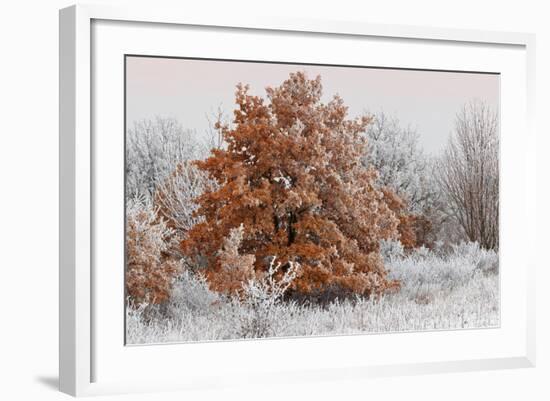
(420, 253)
(261, 300)
(190, 292)
(176, 195)
(391, 250)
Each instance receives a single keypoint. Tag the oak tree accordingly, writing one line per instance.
(291, 174)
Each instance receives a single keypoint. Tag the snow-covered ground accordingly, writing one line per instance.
(455, 289)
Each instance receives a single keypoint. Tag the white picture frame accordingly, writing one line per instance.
(81, 341)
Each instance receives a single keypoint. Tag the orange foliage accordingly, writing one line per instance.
(291, 174)
(149, 272)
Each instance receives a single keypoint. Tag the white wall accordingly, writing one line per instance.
(28, 200)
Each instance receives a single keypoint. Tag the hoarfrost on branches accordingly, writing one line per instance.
(262, 299)
(176, 196)
(395, 154)
(153, 150)
(468, 172)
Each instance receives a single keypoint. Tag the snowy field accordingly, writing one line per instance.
(449, 290)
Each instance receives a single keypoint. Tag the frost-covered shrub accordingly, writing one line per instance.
(442, 248)
(420, 253)
(149, 273)
(261, 300)
(466, 249)
(488, 263)
(137, 324)
(425, 274)
(485, 260)
(391, 249)
(176, 196)
(401, 164)
(190, 292)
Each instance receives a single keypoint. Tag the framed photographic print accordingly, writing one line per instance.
(350, 196)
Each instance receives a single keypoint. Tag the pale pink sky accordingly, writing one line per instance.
(192, 90)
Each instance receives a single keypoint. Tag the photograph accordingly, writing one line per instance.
(266, 199)
(300, 200)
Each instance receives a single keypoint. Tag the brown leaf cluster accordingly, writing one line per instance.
(149, 271)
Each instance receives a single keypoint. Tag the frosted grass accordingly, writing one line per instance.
(439, 292)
